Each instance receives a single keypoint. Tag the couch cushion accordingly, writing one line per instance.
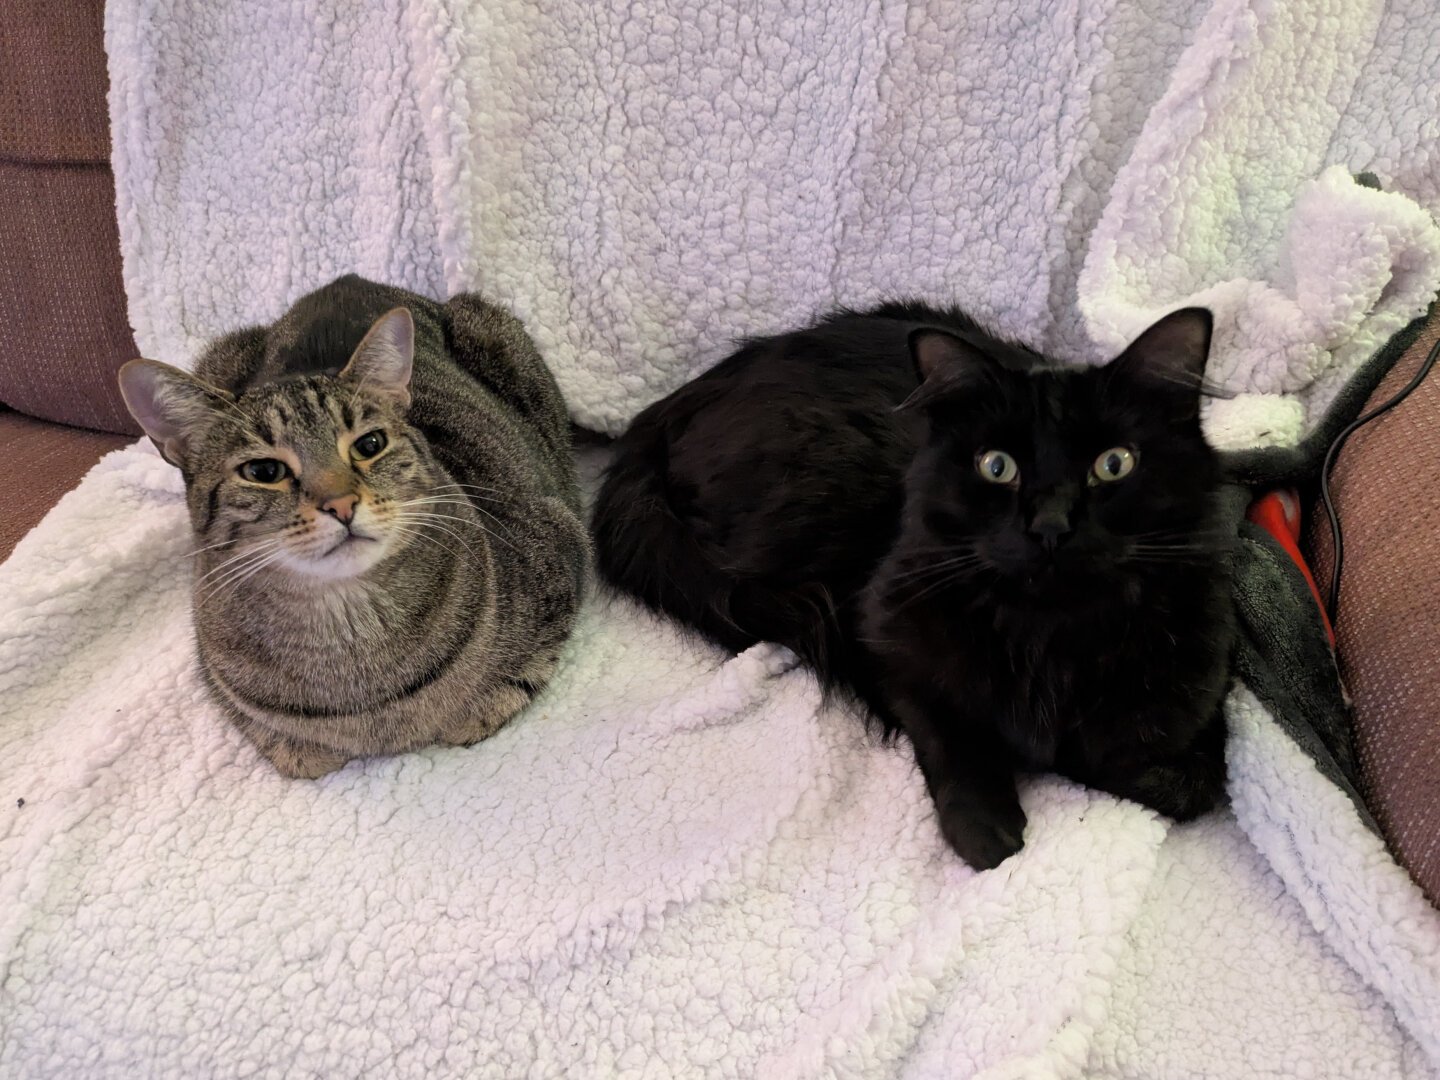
(1386, 487)
(62, 303)
(52, 96)
(39, 462)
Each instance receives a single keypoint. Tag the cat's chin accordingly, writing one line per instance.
(1051, 587)
(348, 559)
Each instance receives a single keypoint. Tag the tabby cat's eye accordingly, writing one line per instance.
(1114, 464)
(997, 467)
(264, 471)
(368, 445)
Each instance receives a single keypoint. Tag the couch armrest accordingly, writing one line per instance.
(1386, 488)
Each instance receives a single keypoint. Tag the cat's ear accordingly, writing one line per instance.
(1172, 352)
(383, 360)
(172, 406)
(945, 364)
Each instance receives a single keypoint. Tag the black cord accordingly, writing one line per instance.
(1350, 429)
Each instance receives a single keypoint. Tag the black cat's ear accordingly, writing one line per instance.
(944, 364)
(1172, 352)
(172, 406)
(383, 360)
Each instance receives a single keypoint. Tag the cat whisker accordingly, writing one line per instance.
(448, 500)
(1154, 548)
(211, 547)
(944, 581)
(355, 394)
(262, 546)
(473, 488)
(243, 421)
(918, 573)
(416, 534)
(433, 521)
(478, 509)
(259, 560)
(246, 574)
(939, 564)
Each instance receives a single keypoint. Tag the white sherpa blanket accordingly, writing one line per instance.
(676, 864)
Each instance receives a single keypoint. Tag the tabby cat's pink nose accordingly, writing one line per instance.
(342, 507)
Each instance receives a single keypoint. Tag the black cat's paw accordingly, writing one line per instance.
(983, 836)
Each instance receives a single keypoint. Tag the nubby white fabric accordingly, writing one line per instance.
(677, 863)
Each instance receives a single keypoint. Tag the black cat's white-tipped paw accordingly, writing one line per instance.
(983, 838)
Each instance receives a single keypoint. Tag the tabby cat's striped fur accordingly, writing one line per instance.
(391, 551)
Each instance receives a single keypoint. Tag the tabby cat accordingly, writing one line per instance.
(391, 546)
(1022, 566)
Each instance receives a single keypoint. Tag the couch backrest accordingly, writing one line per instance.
(63, 328)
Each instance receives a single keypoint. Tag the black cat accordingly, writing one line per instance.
(1021, 566)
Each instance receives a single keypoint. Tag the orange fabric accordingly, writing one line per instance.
(1278, 513)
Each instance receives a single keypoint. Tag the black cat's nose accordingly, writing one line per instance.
(1050, 527)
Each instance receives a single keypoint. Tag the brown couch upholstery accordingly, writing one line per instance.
(62, 303)
(39, 462)
(1386, 488)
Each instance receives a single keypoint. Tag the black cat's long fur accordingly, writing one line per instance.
(825, 489)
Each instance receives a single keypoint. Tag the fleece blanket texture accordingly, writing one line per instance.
(678, 863)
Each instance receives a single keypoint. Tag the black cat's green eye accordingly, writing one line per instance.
(264, 471)
(368, 445)
(997, 466)
(1114, 464)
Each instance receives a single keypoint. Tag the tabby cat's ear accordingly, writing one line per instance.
(945, 364)
(1172, 351)
(171, 405)
(382, 361)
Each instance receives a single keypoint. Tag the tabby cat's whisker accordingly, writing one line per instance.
(211, 547)
(243, 421)
(239, 573)
(474, 488)
(264, 545)
(359, 386)
(473, 524)
(449, 500)
(416, 534)
(471, 493)
(432, 521)
(247, 573)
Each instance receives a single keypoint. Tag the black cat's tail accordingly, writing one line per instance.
(645, 548)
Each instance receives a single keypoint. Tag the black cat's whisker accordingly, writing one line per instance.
(936, 564)
(935, 586)
(919, 573)
(1205, 548)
